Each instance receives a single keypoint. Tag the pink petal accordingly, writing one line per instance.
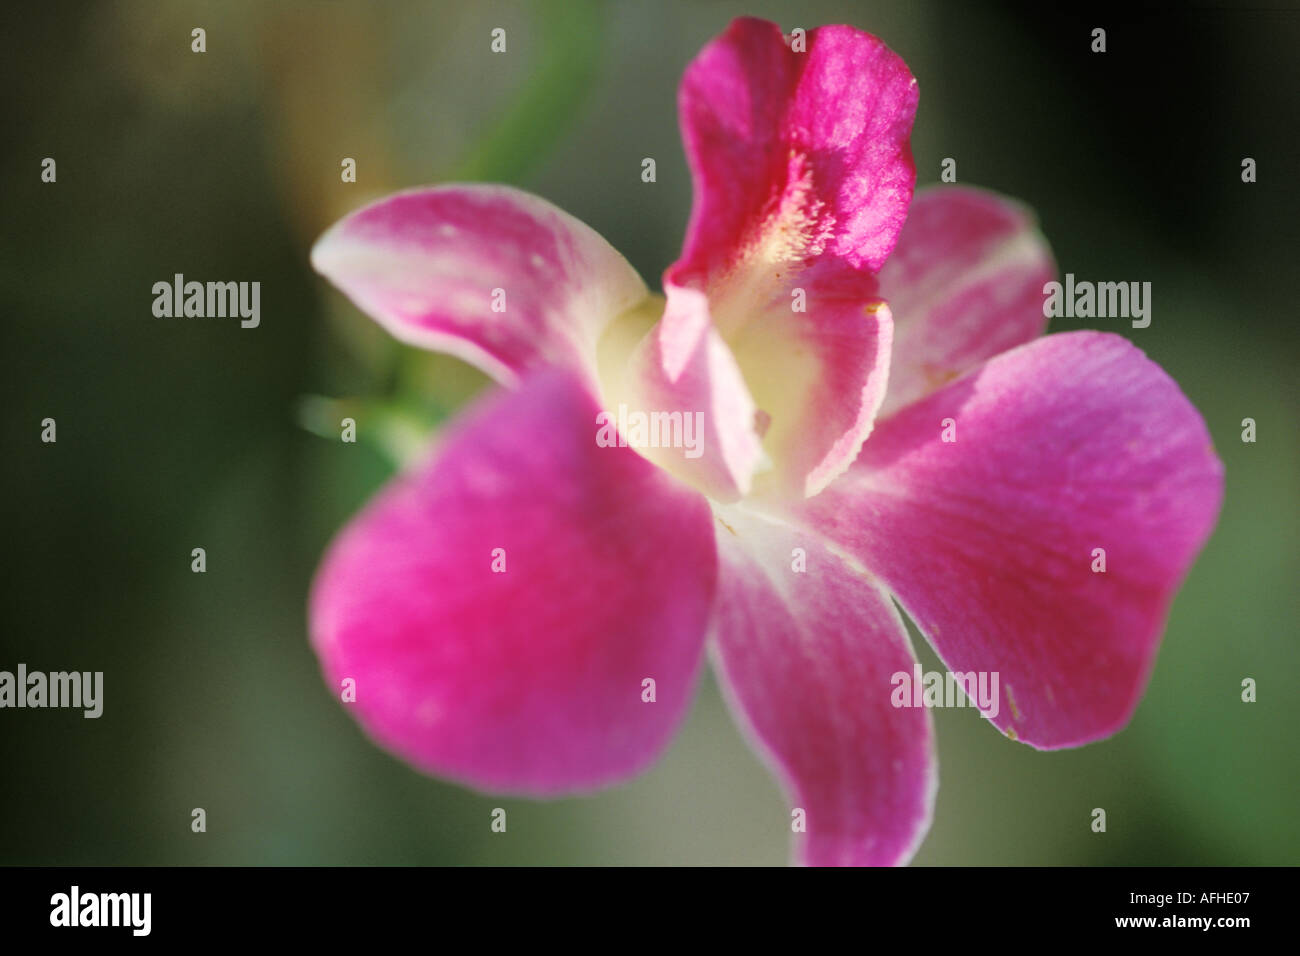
(427, 264)
(807, 660)
(965, 283)
(796, 155)
(802, 173)
(1072, 443)
(528, 680)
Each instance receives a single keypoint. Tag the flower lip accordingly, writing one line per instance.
(802, 172)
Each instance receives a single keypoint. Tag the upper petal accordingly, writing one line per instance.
(795, 155)
(1069, 446)
(491, 274)
(964, 283)
(802, 173)
(500, 605)
(806, 648)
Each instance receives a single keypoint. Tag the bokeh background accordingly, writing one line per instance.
(175, 434)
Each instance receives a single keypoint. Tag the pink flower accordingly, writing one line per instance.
(503, 605)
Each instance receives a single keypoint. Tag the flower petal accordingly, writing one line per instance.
(1073, 443)
(493, 275)
(802, 172)
(527, 679)
(807, 660)
(964, 283)
(795, 155)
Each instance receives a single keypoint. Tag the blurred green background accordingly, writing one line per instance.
(176, 434)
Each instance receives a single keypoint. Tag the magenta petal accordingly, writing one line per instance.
(807, 659)
(493, 275)
(965, 283)
(528, 679)
(802, 174)
(797, 155)
(1073, 443)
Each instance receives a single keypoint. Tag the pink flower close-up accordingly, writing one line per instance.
(882, 425)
